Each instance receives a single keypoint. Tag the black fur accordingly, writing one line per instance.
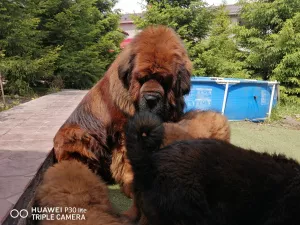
(145, 136)
(125, 70)
(184, 82)
(209, 182)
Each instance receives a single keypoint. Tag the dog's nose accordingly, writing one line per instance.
(152, 100)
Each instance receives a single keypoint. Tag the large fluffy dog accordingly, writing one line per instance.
(151, 74)
(72, 185)
(208, 181)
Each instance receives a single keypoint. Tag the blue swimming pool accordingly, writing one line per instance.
(238, 99)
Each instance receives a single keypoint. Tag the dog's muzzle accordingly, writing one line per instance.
(152, 102)
(152, 99)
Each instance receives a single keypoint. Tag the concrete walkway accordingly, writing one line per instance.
(26, 134)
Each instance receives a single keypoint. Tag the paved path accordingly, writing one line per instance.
(26, 134)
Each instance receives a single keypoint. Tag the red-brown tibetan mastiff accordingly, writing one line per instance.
(151, 74)
(208, 181)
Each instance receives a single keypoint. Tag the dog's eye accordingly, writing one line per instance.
(168, 81)
(160, 80)
(143, 80)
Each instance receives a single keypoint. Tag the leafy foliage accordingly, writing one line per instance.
(20, 42)
(190, 22)
(218, 55)
(267, 16)
(181, 3)
(86, 36)
(60, 42)
(287, 71)
(23, 73)
(270, 34)
(67, 43)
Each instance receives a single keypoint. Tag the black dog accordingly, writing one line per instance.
(208, 181)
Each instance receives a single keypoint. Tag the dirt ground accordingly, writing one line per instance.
(11, 101)
(14, 100)
(280, 137)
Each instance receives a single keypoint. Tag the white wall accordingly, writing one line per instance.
(130, 29)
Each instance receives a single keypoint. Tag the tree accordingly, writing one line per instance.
(24, 59)
(64, 42)
(89, 38)
(181, 3)
(218, 55)
(262, 19)
(287, 71)
(270, 36)
(267, 16)
(191, 22)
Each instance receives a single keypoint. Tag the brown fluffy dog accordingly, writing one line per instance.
(198, 124)
(72, 184)
(151, 74)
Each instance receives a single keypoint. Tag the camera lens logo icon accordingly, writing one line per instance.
(23, 213)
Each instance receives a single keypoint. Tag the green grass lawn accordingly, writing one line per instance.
(283, 110)
(120, 201)
(262, 137)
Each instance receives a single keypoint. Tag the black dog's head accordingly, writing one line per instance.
(156, 70)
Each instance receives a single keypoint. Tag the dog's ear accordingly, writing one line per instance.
(183, 81)
(126, 66)
(182, 87)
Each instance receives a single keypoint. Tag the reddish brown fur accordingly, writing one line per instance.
(72, 139)
(198, 124)
(72, 184)
(161, 54)
(157, 53)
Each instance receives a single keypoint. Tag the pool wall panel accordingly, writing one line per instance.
(246, 100)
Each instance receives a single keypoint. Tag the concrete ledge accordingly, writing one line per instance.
(25, 201)
(26, 137)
